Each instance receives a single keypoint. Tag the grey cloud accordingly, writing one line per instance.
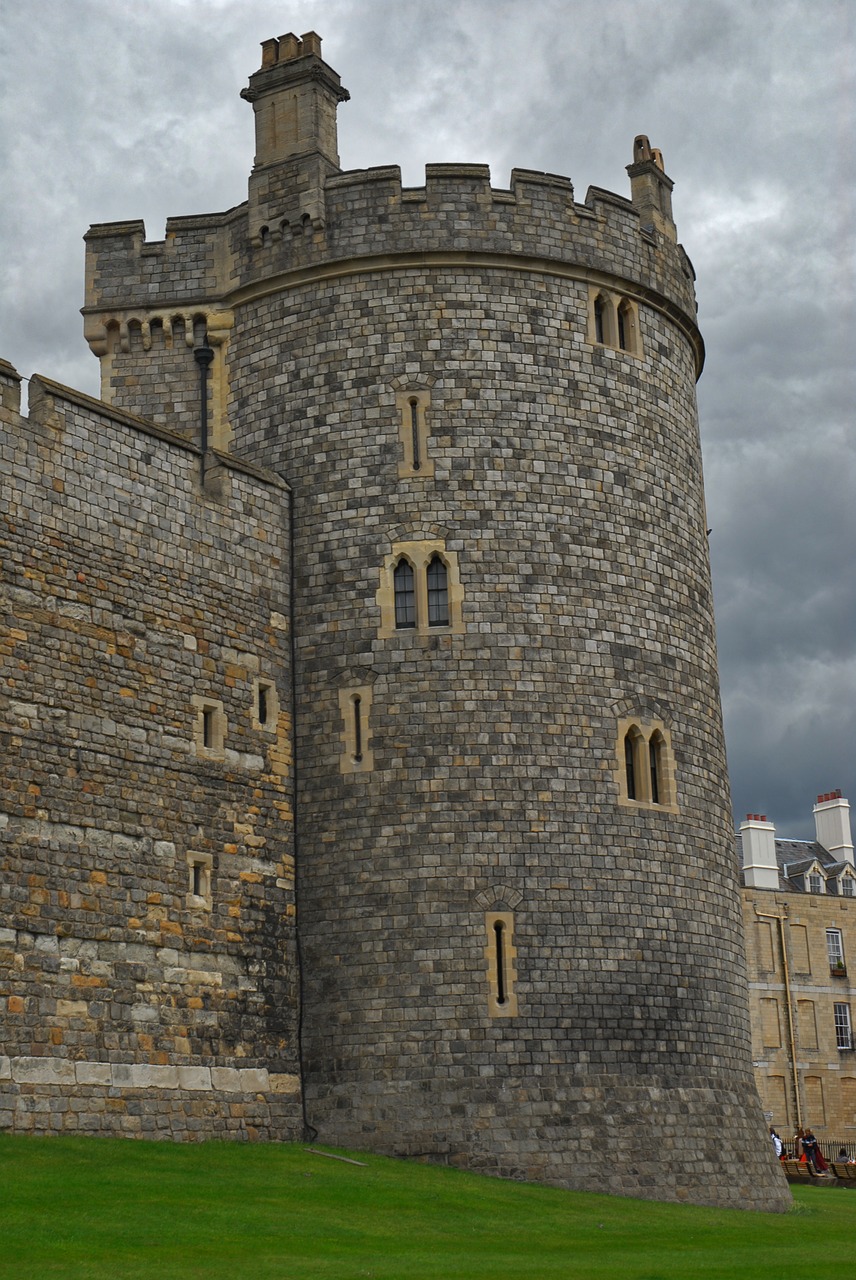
(132, 111)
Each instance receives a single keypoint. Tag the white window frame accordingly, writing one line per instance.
(843, 1026)
(835, 950)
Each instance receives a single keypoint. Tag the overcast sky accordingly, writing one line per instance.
(114, 110)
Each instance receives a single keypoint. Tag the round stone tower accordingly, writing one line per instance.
(518, 906)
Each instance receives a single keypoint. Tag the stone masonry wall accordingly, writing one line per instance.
(131, 1003)
(567, 482)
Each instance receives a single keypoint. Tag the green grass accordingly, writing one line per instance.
(106, 1209)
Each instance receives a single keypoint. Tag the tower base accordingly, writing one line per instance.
(683, 1143)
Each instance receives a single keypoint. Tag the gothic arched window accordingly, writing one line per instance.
(404, 586)
(631, 763)
(599, 318)
(438, 593)
(625, 326)
(655, 757)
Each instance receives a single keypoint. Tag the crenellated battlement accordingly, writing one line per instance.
(206, 265)
(146, 300)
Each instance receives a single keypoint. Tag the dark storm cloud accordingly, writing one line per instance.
(118, 110)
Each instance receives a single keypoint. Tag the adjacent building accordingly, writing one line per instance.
(799, 905)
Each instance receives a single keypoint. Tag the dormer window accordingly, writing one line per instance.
(846, 883)
(815, 882)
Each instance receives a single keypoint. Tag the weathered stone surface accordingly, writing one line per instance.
(42, 1071)
(112, 977)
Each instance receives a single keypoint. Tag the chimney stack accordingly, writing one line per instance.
(760, 869)
(651, 188)
(294, 96)
(832, 823)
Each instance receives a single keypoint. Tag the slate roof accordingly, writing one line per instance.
(795, 857)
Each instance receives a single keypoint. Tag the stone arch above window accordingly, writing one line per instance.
(420, 590)
(498, 898)
(645, 770)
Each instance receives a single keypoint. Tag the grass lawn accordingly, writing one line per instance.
(105, 1209)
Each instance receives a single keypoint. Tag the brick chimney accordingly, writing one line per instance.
(832, 823)
(758, 836)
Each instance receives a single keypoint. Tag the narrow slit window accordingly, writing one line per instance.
(500, 953)
(355, 706)
(358, 728)
(438, 593)
(404, 586)
(265, 705)
(199, 866)
(499, 943)
(414, 434)
(209, 726)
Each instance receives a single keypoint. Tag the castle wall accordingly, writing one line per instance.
(520, 951)
(147, 954)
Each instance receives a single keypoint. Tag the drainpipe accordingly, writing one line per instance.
(770, 915)
(203, 356)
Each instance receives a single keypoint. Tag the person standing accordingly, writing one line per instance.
(809, 1143)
